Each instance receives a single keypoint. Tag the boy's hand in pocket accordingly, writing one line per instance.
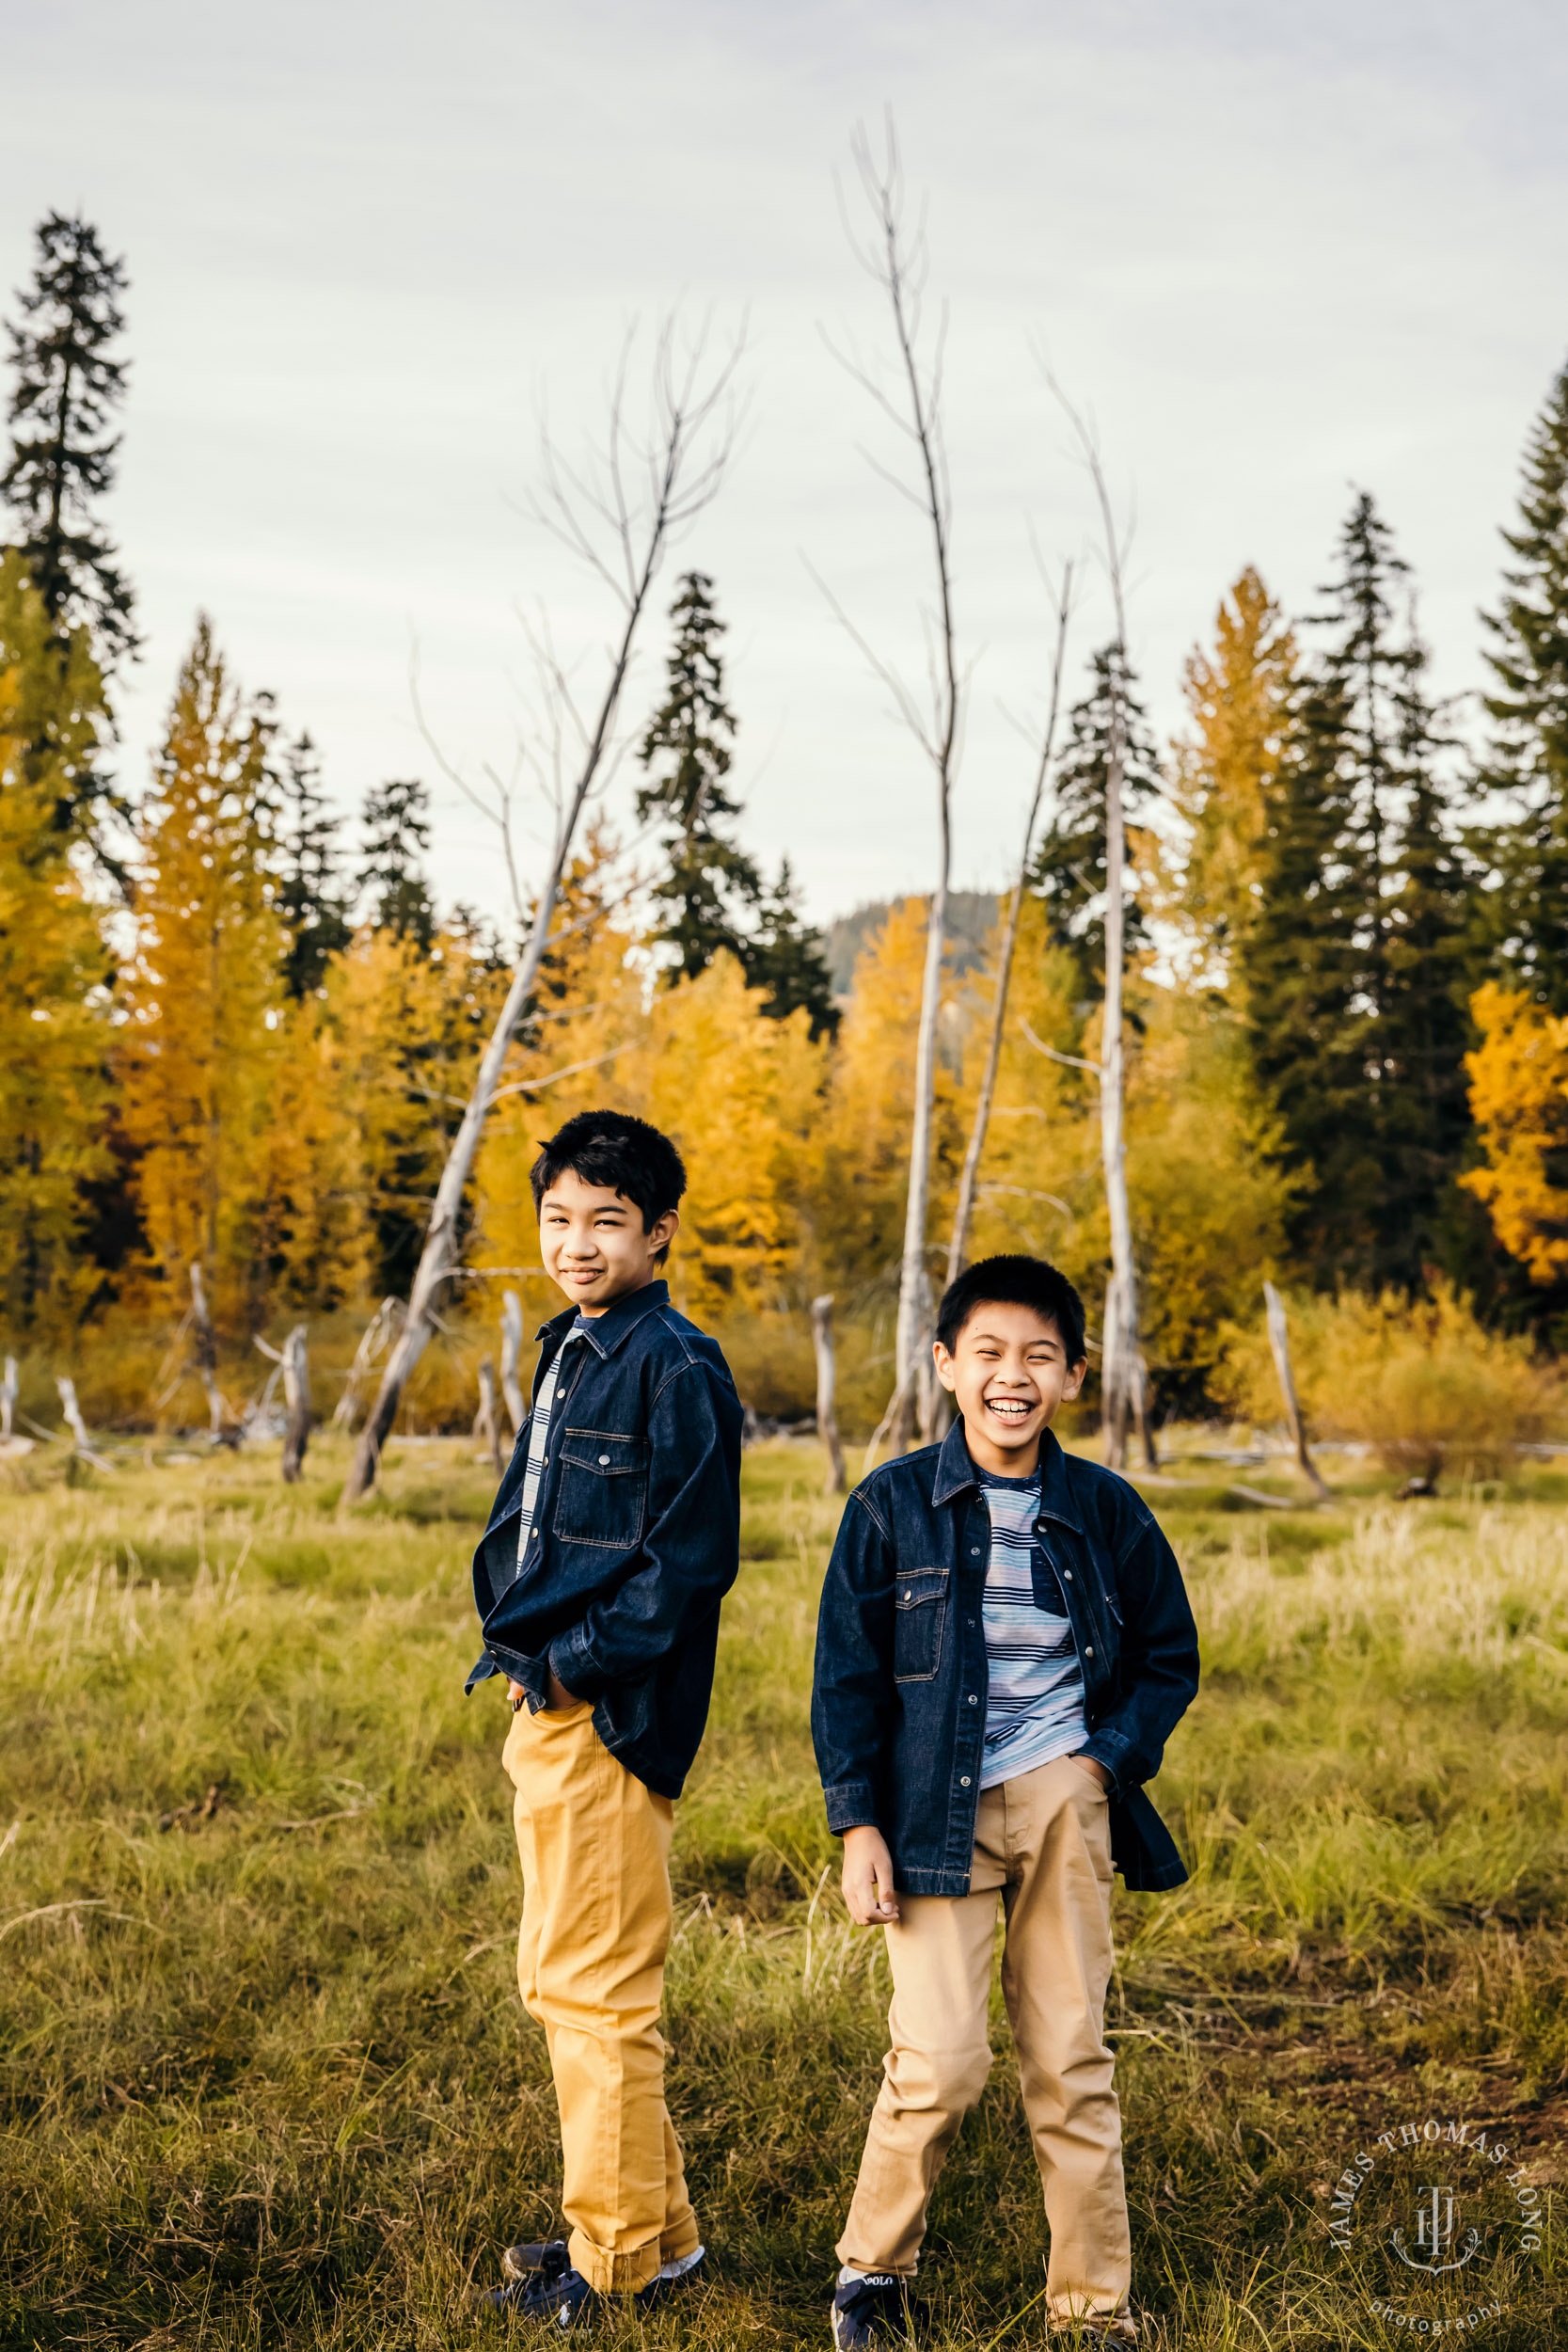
(868, 1878)
(1095, 1769)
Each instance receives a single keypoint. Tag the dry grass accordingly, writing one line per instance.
(263, 2075)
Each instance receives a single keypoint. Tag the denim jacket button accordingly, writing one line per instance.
(975, 1551)
(1089, 1650)
(603, 1459)
(972, 1699)
(1068, 1573)
(964, 1782)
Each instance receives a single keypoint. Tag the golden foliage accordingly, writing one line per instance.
(1519, 1100)
(53, 963)
(1222, 770)
(203, 992)
(1421, 1382)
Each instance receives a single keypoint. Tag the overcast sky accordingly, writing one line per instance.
(1279, 251)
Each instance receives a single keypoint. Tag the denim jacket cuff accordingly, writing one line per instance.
(571, 1663)
(1117, 1753)
(529, 1672)
(482, 1670)
(852, 1805)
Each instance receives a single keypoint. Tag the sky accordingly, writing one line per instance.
(1278, 252)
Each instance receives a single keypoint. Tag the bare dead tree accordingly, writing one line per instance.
(827, 1381)
(11, 1389)
(1279, 1346)
(84, 1446)
(618, 513)
(1124, 1386)
(387, 1320)
(898, 264)
(206, 1352)
(294, 1360)
(963, 1212)
(512, 1349)
(487, 1421)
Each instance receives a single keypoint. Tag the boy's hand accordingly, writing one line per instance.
(1093, 1767)
(559, 1696)
(868, 1876)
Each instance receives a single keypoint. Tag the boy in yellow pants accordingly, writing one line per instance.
(613, 1541)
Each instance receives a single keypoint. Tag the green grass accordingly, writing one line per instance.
(264, 2074)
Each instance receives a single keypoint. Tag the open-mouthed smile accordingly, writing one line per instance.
(1011, 1409)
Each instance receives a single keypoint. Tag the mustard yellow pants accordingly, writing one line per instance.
(594, 1845)
(1042, 1845)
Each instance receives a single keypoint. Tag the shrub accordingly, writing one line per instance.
(1420, 1381)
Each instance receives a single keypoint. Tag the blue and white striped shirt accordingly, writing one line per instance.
(538, 1440)
(1035, 1709)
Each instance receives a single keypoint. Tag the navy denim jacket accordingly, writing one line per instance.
(898, 1705)
(636, 1534)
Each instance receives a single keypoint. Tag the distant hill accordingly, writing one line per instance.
(971, 914)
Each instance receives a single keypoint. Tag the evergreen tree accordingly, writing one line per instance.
(1354, 971)
(1527, 755)
(1068, 871)
(308, 900)
(395, 823)
(787, 959)
(711, 888)
(62, 449)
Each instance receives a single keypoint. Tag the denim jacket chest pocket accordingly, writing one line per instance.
(603, 1495)
(920, 1615)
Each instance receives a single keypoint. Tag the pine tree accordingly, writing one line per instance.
(1068, 871)
(309, 901)
(1354, 973)
(395, 823)
(62, 451)
(711, 889)
(787, 959)
(1527, 755)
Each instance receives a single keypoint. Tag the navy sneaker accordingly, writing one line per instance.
(543, 2286)
(527, 2262)
(870, 2309)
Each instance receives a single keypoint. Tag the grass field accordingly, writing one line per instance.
(265, 2076)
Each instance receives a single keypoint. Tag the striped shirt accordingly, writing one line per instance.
(1035, 1708)
(538, 1439)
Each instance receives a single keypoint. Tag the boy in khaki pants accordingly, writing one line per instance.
(613, 1539)
(1002, 1650)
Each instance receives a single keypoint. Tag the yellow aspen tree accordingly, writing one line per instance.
(53, 964)
(1519, 1102)
(739, 1093)
(314, 1225)
(201, 1045)
(861, 1173)
(1222, 770)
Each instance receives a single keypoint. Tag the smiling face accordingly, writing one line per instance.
(593, 1243)
(1009, 1374)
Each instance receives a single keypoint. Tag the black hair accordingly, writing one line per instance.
(1013, 1282)
(611, 1148)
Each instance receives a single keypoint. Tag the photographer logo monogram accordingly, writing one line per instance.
(1441, 2207)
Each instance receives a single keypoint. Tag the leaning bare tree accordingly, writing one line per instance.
(899, 263)
(957, 1246)
(1124, 1387)
(618, 513)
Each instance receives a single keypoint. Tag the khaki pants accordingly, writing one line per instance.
(595, 1849)
(1043, 1843)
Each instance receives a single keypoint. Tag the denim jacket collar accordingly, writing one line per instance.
(610, 1331)
(955, 1473)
